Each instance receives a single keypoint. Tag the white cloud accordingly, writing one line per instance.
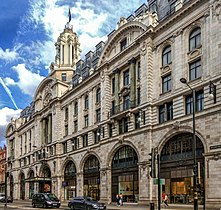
(6, 114)
(8, 55)
(27, 80)
(5, 117)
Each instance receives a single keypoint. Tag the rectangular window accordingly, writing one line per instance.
(85, 140)
(63, 77)
(126, 78)
(138, 70)
(123, 125)
(98, 115)
(86, 120)
(195, 70)
(66, 130)
(166, 83)
(166, 112)
(75, 126)
(137, 120)
(126, 102)
(110, 129)
(66, 113)
(97, 136)
(199, 103)
(75, 143)
(138, 96)
(123, 44)
(76, 108)
(65, 147)
(113, 85)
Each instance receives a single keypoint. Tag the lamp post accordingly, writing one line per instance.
(195, 168)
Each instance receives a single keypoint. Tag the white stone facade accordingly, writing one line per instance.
(136, 44)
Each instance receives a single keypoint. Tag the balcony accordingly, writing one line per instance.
(123, 107)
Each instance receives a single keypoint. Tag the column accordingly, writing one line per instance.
(132, 71)
(70, 55)
(49, 128)
(61, 54)
(144, 191)
(43, 131)
(104, 185)
(117, 85)
(80, 184)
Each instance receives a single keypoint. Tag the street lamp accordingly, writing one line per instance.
(195, 168)
(212, 91)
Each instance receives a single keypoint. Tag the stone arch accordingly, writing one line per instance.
(177, 165)
(91, 176)
(31, 180)
(125, 173)
(45, 183)
(69, 182)
(181, 129)
(116, 147)
(22, 184)
(119, 33)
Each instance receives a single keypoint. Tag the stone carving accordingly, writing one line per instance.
(176, 125)
(122, 21)
(217, 8)
(143, 49)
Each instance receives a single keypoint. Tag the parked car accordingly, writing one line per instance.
(3, 200)
(85, 203)
(45, 200)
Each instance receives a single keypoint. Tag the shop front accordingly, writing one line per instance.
(69, 183)
(177, 169)
(92, 177)
(125, 175)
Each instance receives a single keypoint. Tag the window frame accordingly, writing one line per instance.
(166, 83)
(195, 39)
(195, 70)
(166, 55)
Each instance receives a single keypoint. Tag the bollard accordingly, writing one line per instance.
(151, 206)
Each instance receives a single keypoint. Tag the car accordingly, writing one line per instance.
(45, 200)
(85, 203)
(3, 200)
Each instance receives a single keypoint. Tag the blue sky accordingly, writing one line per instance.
(28, 31)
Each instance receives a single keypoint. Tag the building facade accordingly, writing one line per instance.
(2, 168)
(93, 122)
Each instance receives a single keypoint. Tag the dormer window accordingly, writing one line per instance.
(64, 77)
(123, 44)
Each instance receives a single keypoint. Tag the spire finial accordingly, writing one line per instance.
(69, 15)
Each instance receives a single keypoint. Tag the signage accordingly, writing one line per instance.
(215, 147)
(162, 181)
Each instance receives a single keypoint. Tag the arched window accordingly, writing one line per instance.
(98, 95)
(195, 39)
(86, 104)
(70, 169)
(125, 157)
(92, 164)
(166, 55)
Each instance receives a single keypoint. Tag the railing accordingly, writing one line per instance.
(127, 104)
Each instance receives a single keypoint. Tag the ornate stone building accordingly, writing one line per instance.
(93, 122)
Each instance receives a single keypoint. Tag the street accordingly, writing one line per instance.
(26, 204)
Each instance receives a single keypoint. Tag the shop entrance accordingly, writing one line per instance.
(92, 177)
(22, 186)
(69, 182)
(45, 180)
(177, 169)
(125, 175)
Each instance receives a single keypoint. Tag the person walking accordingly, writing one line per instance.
(118, 200)
(121, 199)
(165, 199)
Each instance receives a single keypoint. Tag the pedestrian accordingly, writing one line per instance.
(121, 199)
(118, 200)
(165, 199)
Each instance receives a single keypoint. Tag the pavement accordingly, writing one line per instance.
(26, 204)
